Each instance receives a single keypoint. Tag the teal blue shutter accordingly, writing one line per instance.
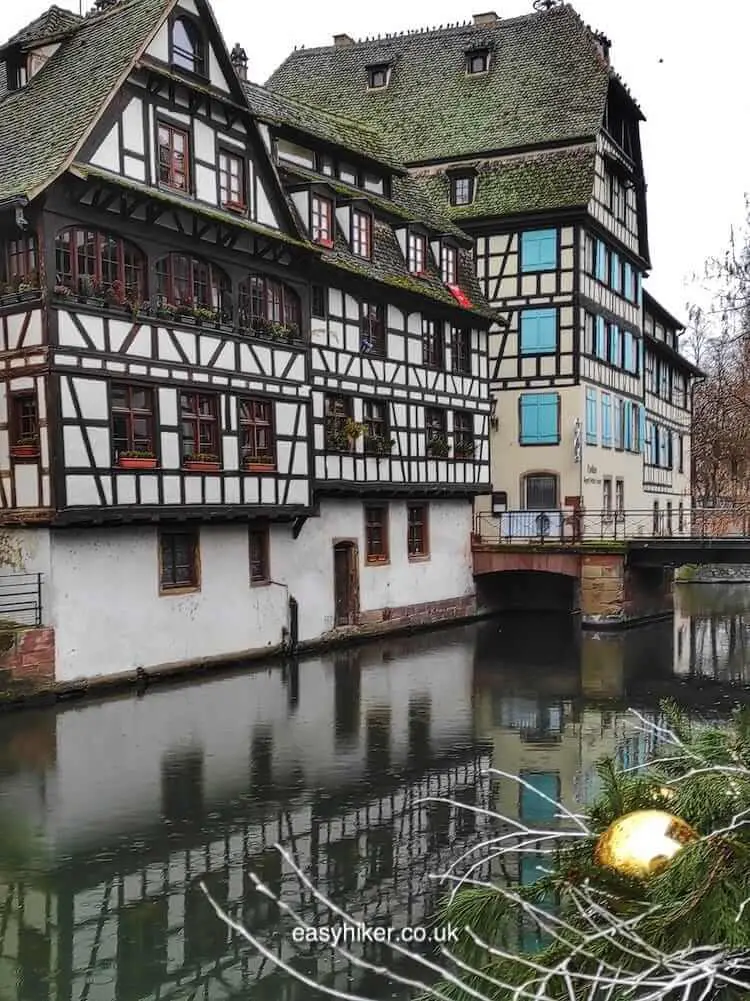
(629, 289)
(614, 344)
(606, 419)
(627, 351)
(615, 273)
(628, 423)
(639, 367)
(549, 432)
(538, 331)
(638, 291)
(539, 250)
(533, 807)
(601, 261)
(601, 338)
(642, 411)
(591, 438)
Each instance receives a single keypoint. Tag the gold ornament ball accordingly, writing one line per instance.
(642, 843)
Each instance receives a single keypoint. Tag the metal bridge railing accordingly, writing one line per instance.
(20, 600)
(570, 526)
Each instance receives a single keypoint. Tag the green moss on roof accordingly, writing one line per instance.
(42, 124)
(540, 182)
(55, 21)
(275, 109)
(411, 201)
(189, 204)
(546, 83)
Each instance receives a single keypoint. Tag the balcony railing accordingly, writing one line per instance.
(556, 526)
(20, 600)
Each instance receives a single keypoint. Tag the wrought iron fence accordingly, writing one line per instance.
(20, 600)
(570, 526)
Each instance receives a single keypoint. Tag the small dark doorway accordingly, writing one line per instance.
(345, 584)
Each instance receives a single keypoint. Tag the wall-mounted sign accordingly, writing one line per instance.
(500, 502)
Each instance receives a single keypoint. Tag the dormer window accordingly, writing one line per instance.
(188, 50)
(477, 61)
(462, 190)
(361, 233)
(448, 264)
(416, 252)
(377, 76)
(321, 220)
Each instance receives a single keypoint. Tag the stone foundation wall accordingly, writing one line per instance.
(28, 654)
(419, 614)
(613, 594)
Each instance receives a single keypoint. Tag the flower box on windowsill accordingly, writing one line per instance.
(24, 451)
(238, 207)
(202, 465)
(255, 464)
(136, 462)
(328, 244)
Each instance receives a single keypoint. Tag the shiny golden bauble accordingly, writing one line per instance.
(642, 843)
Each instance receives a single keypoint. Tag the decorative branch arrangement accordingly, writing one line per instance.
(646, 897)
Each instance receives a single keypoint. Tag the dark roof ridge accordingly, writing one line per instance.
(458, 27)
(308, 106)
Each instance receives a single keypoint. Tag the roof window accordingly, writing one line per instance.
(378, 76)
(477, 61)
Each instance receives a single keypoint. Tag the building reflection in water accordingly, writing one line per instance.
(712, 632)
(136, 801)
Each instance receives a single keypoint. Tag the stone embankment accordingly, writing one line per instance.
(714, 574)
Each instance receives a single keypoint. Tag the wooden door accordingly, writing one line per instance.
(345, 590)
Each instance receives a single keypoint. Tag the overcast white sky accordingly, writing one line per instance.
(697, 103)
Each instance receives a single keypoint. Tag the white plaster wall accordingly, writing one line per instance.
(107, 774)
(109, 616)
(308, 561)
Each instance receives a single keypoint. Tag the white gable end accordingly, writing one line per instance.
(159, 47)
(107, 154)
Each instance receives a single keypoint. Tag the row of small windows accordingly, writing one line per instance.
(610, 269)
(379, 74)
(612, 344)
(614, 422)
(665, 449)
(341, 431)
(664, 381)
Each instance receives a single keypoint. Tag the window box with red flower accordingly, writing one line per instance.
(202, 462)
(26, 447)
(137, 459)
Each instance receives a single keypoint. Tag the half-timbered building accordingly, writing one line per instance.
(523, 132)
(240, 356)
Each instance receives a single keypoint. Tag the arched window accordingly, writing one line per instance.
(265, 303)
(193, 283)
(89, 262)
(188, 51)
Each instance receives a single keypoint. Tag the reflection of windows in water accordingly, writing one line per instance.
(261, 755)
(466, 820)
(182, 784)
(141, 948)
(532, 807)
(420, 710)
(205, 932)
(533, 719)
(531, 937)
(34, 954)
(343, 864)
(438, 825)
(347, 686)
(257, 908)
(380, 846)
(378, 728)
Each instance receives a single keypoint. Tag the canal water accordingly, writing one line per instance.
(113, 812)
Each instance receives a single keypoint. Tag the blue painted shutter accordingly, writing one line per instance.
(628, 422)
(629, 288)
(614, 344)
(539, 250)
(538, 331)
(591, 438)
(615, 273)
(639, 366)
(539, 424)
(642, 411)
(601, 261)
(548, 418)
(601, 338)
(606, 419)
(638, 291)
(627, 351)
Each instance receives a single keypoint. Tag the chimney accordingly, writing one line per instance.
(239, 61)
(603, 45)
(101, 5)
(343, 41)
(490, 17)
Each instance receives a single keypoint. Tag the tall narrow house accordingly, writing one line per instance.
(526, 136)
(244, 394)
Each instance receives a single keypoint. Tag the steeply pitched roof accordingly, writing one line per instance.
(275, 109)
(543, 181)
(43, 124)
(53, 23)
(547, 83)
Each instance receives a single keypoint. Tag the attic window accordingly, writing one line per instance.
(17, 73)
(188, 50)
(462, 189)
(477, 61)
(377, 76)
